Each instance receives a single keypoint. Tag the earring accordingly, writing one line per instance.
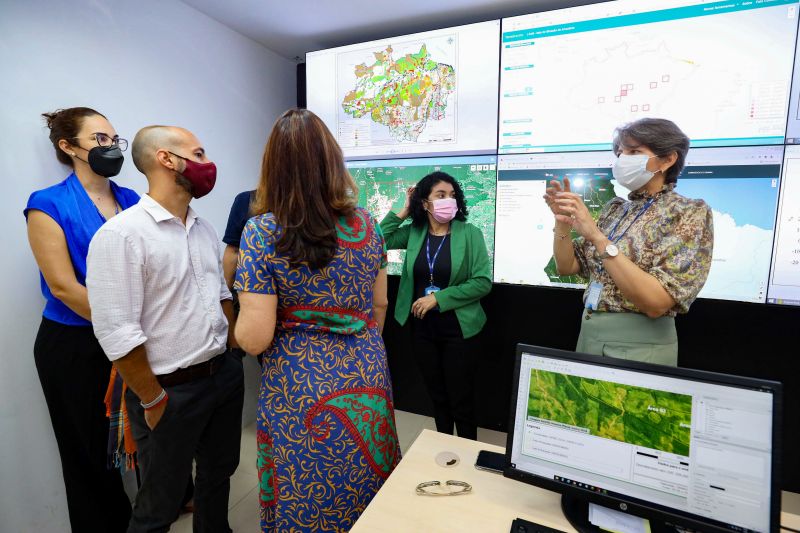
(72, 154)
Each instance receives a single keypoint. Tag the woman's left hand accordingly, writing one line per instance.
(577, 215)
(421, 307)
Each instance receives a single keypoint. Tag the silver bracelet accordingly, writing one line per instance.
(154, 402)
(463, 488)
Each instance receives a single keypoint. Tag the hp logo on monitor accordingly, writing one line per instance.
(623, 506)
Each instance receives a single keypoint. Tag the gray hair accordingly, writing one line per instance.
(661, 136)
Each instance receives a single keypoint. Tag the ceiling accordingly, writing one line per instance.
(293, 27)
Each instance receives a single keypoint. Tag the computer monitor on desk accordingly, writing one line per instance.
(682, 447)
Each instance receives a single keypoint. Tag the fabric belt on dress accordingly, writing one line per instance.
(185, 375)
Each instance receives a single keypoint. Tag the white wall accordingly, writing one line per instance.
(139, 63)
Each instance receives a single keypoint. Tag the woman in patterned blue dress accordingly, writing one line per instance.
(312, 289)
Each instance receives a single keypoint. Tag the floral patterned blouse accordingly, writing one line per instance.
(672, 241)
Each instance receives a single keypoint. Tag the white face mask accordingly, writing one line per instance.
(631, 171)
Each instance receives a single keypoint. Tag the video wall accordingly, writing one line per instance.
(506, 105)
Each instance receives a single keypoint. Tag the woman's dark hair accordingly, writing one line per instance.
(419, 217)
(306, 185)
(661, 136)
(65, 124)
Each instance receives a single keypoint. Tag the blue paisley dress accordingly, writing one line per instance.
(327, 438)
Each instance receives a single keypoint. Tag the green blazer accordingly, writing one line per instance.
(470, 278)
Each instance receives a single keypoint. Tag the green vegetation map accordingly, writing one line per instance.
(403, 94)
(596, 193)
(383, 189)
(643, 417)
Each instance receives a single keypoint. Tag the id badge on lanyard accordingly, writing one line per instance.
(431, 289)
(593, 296)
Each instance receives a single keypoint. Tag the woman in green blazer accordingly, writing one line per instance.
(445, 274)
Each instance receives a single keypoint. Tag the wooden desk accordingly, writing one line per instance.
(491, 508)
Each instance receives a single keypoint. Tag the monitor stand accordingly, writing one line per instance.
(576, 511)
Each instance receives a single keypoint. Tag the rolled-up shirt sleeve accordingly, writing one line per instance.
(115, 281)
(579, 247)
(683, 256)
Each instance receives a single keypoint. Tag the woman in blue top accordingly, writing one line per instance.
(73, 369)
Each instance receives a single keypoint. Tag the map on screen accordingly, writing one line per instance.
(720, 70)
(382, 187)
(430, 93)
(740, 184)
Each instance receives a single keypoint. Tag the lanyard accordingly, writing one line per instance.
(613, 234)
(624, 214)
(428, 254)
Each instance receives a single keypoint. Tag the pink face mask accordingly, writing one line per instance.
(444, 210)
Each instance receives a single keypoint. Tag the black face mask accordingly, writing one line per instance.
(106, 160)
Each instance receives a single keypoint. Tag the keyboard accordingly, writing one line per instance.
(523, 526)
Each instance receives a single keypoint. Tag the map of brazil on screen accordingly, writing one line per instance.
(401, 93)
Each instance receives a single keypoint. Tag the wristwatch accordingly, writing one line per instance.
(611, 251)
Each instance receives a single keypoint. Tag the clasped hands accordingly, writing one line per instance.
(569, 209)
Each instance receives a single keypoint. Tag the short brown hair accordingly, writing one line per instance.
(659, 135)
(305, 184)
(65, 124)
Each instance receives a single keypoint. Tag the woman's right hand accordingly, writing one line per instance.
(550, 195)
(403, 214)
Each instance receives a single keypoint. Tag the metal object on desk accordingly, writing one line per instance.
(463, 488)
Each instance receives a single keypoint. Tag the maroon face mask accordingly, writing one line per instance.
(202, 176)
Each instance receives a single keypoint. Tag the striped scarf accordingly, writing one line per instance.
(121, 446)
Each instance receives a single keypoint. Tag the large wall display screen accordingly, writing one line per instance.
(784, 283)
(427, 93)
(740, 184)
(720, 70)
(382, 187)
(793, 118)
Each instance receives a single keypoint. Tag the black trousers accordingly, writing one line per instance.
(74, 373)
(202, 422)
(447, 367)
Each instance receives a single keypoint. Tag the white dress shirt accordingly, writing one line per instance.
(156, 282)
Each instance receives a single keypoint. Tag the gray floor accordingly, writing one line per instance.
(244, 483)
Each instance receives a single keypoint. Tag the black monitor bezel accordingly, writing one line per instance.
(635, 506)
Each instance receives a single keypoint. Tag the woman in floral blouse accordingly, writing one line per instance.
(646, 258)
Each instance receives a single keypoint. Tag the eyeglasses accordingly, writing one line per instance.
(104, 140)
(462, 487)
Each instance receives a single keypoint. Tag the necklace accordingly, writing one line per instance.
(436, 234)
